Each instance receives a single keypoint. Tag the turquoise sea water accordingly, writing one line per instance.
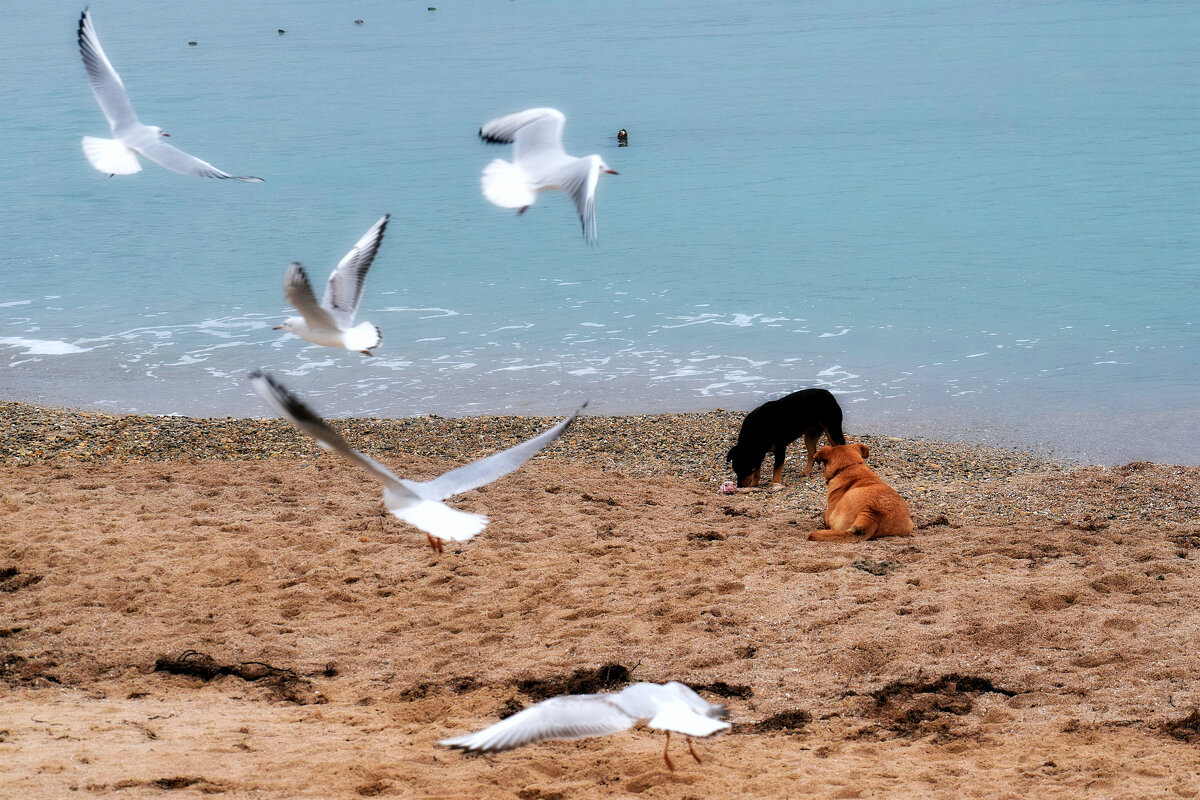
(976, 220)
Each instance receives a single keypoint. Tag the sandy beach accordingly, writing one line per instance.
(215, 607)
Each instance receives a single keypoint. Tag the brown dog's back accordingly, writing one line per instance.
(860, 504)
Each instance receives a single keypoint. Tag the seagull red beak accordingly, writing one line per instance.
(612, 172)
(164, 133)
(278, 327)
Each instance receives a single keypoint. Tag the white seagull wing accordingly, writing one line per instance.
(111, 156)
(694, 701)
(299, 293)
(579, 180)
(576, 716)
(174, 159)
(681, 719)
(293, 409)
(344, 289)
(533, 133)
(486, 470)
(105, 82)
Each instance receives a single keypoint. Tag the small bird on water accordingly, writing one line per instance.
(623, 138)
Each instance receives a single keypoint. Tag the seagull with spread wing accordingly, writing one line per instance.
(665, 707)
(540, 164)
(419, 503)
(119, 155)
(331, 322)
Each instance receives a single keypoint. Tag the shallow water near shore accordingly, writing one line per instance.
(967, 222)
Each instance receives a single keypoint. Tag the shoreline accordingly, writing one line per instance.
(942, 481)
(1070, 431)
(694, 441)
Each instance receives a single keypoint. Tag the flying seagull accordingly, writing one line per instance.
(539, 164)
(331, 322)
(665, 707)
(419, 503)
(119, 155)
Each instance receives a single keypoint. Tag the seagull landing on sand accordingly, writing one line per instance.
(665, 707)
(119, 155)
(331, 322)
(419, 503)
(539, 164)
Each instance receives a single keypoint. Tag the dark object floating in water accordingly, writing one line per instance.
(431, 8)
(191, 44)
(282, 31)
(358, 22)
(623, 138)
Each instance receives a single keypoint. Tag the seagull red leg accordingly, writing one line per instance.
(666, 755)
(693, 751)
(434, 542)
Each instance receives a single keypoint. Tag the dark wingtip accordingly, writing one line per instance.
(293, 406)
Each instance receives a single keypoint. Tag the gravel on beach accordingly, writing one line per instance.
(941, 480)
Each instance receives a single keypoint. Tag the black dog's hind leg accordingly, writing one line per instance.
(811, 439)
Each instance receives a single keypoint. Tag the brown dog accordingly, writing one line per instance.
(861, 505)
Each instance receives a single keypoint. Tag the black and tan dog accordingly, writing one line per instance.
(776, 424)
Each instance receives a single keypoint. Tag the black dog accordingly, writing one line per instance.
(776, 424)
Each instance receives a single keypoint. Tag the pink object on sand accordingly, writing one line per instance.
(728, 487)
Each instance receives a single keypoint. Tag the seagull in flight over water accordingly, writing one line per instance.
(539, 164)
(119, 155)
(331, 322)
(419, 503)
(665, 707)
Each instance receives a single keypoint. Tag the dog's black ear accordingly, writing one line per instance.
(729, 455)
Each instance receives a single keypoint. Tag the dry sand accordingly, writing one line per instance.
(1035, 638)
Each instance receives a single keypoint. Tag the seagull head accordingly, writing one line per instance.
(158, 131)
(605, 168)
(291, 324)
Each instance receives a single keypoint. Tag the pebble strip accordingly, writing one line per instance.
(955, 479)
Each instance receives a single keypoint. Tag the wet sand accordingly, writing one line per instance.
(214, 607)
